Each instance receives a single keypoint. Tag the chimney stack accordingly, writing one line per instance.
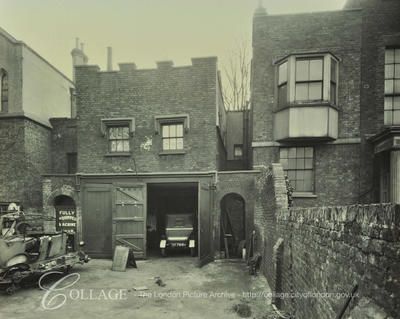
(78, 56)
(109, 59)
(260, 11)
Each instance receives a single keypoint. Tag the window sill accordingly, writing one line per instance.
(303, 195)
(177, 152)
(123, 154)
(305, 104)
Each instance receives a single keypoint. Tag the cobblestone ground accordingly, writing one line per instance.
(221, 289)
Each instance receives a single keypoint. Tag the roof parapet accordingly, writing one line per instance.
(127, 67)
(165, 65)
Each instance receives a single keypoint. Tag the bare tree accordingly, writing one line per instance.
(236, 77)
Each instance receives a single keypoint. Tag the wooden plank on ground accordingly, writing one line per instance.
(120, 259)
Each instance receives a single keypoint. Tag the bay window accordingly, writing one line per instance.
(307, 79)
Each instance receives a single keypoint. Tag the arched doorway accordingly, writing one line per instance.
(66, 219)
(233, 225)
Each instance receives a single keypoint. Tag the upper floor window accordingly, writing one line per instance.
(172, 129)
(3, 91)
(118, 132)
(282, 84)
(392, 86)
(118, 138)
(308, 78)
(172, 136)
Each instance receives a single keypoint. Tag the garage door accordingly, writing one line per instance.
(129, 218)
(206, 251)
(96, 220)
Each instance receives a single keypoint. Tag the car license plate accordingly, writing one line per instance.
(178, 244)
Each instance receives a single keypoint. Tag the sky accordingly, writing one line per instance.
(140, 31)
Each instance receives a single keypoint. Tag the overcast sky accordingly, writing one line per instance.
(140, 31)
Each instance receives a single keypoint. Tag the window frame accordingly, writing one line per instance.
(175, 136)
(283, 84)
(309, 81)
(121, 136)
(326, 93)
(393, 109)
(108, 123)
(297, 159)
(170, 119)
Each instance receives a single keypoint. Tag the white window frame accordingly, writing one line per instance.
(175, 135)
(291, 79)
(170, 119)
(108, 123)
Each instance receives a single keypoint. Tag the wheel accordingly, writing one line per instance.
(163, 252)
(67, 269)
(193, 252)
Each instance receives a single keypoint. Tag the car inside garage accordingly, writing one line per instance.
(172, 219)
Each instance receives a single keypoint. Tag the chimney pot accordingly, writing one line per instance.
(109, 59)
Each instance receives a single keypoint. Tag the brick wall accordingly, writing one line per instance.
(24, 156)
(271, 197)
(37, 155)
(338, 32)
(12, 160)
(329, 250)
(337, 176)
(63, 142)
(275, 36)
(144, 94)
(381, 28)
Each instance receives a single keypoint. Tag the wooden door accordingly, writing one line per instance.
(96, 221)
(129, 218)
(205, 240)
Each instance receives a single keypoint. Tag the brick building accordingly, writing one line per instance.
(147, 143)
(32, 91)
(321, 100)
(143, 143)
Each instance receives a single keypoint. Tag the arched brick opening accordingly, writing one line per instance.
(61, 194)
(232, 224)
(63, 200)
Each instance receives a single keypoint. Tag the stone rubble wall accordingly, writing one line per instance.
(328, 250)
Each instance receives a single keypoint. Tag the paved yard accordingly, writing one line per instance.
(189, 292)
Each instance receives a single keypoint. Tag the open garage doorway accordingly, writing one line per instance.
(172, 219)
(233, 225)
